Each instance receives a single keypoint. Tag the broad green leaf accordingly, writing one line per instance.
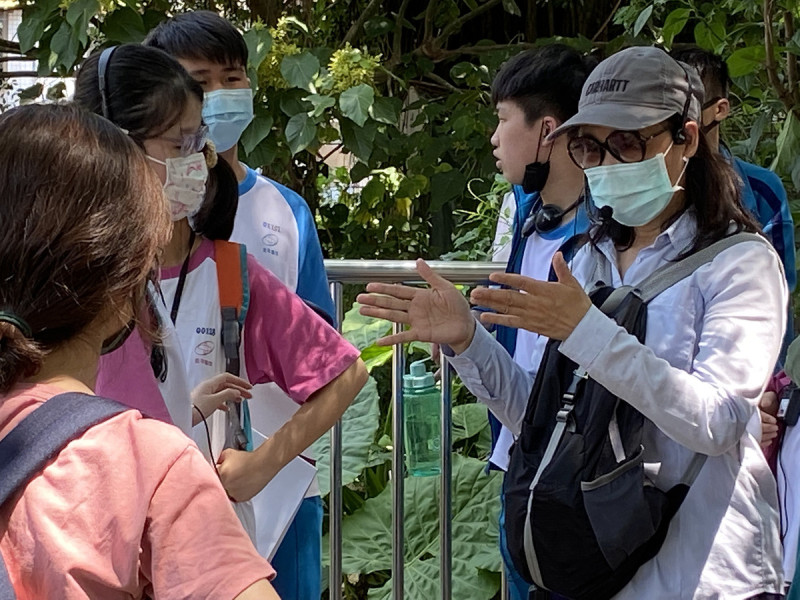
(79, 15)
(300, 69)
(367, 534)
(34, 20)
(356, 101)
(124, 25)
(259, 43)
(746, 60)
(446, 186)
(372, 193)
(386, 110)
(65, 45)
(300, 132)
(674, 24)
(375, 356)
(363, 331)
(359, 140)
(320, 103)
(360, 423)
(511, 8)
(469, 420)
(255, 133)
(642, 19)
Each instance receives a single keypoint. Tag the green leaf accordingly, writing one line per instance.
(446, 186)
(674, 24)
(375, 356)
(359, 140)
(469, 420)
(511, 8)
(368, 538)
(642, 19)
(259, 43)
(300, 132)
(65, 45)
(320, 103)
(788, 144)
(372, 194)
(356, 101)
(78, 16)
(386, 110)
(360, 423)
(34, 21)
(255, 133)
(300, 69)
(746, 60)
(31, 93)
(124, 25)
(363, 331)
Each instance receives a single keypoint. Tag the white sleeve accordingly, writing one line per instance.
(494, 378)
(707, 409)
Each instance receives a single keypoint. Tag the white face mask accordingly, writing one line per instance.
(185, 186)
(227, 114)
(636, 192)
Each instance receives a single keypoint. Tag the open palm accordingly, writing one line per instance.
(438, 314)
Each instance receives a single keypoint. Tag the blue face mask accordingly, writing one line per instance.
(636, 192)
(227, 114)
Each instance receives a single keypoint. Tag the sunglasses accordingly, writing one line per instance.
(587, 151)
(190, 142)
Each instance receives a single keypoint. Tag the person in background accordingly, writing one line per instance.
(277, 227)
(107, 517)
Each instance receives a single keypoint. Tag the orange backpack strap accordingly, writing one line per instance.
(234, 297)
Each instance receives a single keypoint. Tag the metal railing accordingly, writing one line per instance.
(398, 271)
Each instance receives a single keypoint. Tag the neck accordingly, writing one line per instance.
(232, 158)
(565, 184)
(713, 138)
(72, 366)
(647, 234)
(175, 250)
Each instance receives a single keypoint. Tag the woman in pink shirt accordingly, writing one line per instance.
(83, 220)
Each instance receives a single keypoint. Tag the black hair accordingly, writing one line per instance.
(546, 80)
(711, 186)
(147, 92)
(713, 70)
(202, 35)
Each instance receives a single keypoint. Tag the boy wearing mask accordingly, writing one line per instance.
(277, 227)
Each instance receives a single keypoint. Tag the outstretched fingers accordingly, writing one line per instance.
(396, 316)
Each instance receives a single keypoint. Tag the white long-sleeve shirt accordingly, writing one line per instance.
(711, 343)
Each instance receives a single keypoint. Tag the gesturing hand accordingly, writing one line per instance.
(550, 308)
(438, 314)
(213, 393)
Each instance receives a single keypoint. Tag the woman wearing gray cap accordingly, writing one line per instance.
(711, 339)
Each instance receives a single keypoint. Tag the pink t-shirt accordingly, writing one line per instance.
(112, 518)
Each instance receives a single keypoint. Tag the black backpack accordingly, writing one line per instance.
(581, 515)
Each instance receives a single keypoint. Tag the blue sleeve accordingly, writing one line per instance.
(772, 211)
(312, 281)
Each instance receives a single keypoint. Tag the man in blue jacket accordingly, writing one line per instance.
(533, 93)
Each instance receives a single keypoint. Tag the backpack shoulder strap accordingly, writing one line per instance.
(39, 437)
(671, 273)
(234, 299)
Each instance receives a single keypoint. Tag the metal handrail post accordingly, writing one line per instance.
(398, 469)
(445, 500)
(335, 502)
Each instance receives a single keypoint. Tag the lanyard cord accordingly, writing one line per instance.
(176, 301)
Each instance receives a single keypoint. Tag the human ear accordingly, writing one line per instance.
(692, 132)
(549, 125)
(722, 109)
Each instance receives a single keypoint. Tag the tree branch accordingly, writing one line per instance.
(458, 23)
(362, 18)
(772, 70)
(427, 32)
(12, 74)
(397, 47)
(607, 21)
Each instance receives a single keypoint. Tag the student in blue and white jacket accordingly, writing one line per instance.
(277, 227)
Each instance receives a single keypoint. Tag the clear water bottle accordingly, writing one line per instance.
(422, 405)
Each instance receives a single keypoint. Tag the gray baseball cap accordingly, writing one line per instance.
(636, 88)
